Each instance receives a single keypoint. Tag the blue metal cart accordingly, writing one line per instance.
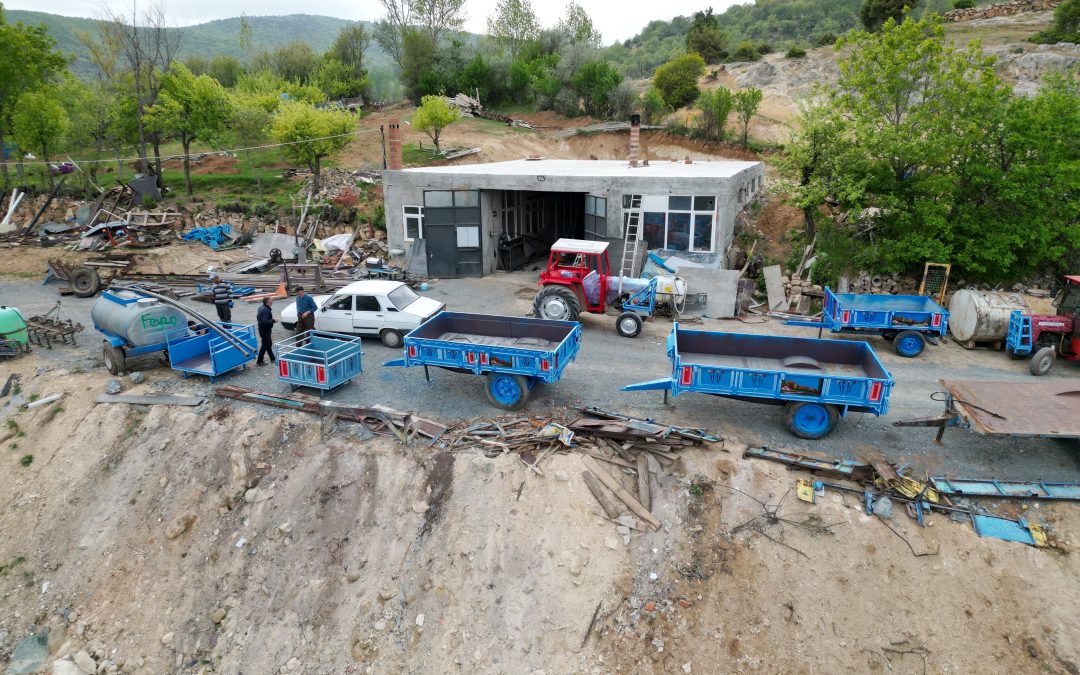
(817, 380)
(514, 353)
(907, 320)
(318, 359)
(201, 352)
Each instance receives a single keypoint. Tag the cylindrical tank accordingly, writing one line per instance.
(982, 316)
(143, 322)
(13, 325)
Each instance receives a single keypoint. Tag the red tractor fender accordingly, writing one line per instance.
(568, 283)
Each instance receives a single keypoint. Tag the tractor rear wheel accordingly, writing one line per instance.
(628, 324)
(1043, 361)
(557, 303)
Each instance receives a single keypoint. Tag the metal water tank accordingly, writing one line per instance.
(139, 320)
(982, 316)
(12, 325)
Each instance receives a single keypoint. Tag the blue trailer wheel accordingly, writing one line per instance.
(811, 420)
(909, 343)
(507, 391)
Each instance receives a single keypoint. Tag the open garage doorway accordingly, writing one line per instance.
(528, 222)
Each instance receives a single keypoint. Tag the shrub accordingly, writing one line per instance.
(746, 52)
(795, 52)
(827, 39)
(963, 4)
(677, 80)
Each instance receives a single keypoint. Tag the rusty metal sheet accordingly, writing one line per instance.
(1044, 408)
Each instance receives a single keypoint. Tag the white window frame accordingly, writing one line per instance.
(405, 222)
(693, 213)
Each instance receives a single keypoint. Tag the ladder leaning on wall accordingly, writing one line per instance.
(631, 245)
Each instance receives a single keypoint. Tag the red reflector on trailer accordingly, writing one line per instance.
(412, 351)
(470, 357)
(283, 368)
(320, 374)
(846, 317)
(544, 365)
(875, 391)
(687, 374)
(483, 359)
(936, 321)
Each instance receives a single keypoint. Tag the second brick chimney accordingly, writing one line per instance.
(635, 139)
(394, 140)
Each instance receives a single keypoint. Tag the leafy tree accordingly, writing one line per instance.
(28, 60)
(875, 13)
(795, 52)
(250, 126)
(963, 4)
(653, 107)
(746, 102)
(677, 80)
(715, 106)
(1066, 26)
(578, 26)
(225, 69)
(434, 115)
(311, 134)
(419, 59)
(39, 122)
(337, 80)
(89, 106)
(746, 52)
(594, 82)
(295, 62)
(437, 18)
(513, 25)
(192, 107)
(349, 48)
(706, 38)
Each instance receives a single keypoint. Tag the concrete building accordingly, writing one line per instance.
(474, 219)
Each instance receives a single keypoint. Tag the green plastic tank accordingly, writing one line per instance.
(13, 325)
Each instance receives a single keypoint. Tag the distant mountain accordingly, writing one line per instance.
(206, 39)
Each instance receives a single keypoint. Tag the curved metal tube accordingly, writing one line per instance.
(225, 335)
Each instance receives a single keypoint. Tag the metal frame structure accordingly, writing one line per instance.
(319, 359)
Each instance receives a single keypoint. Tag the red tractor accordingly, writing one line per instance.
(578, 278)
(1047, 336)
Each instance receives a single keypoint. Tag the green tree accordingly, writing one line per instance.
(191, 107)
(1067, 17)
(311, 134)
(40, 123)
(652, 106)
(595, 82)
(336, 80)
(434, 115)
(250, 126)
(350, 47)
(28, 60)
(513, 25)
(677, 80)
(746, 102)
(715, 106)
(89, 106)
(418, 61)
(706, 38)
(875, 13)
(578, 26)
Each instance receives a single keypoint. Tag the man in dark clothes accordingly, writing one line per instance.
(266, 325)
(222, 300)
(305, 311)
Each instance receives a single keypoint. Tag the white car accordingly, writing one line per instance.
(388, 309)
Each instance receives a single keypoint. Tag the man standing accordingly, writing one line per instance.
(266, 323)
(222, 300)
(305, 311)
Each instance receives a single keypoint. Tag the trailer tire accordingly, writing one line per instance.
(392, 338)
(809, 420)
(909, 344)
(507, 391)
(557, 303)
(628, 324)
(1043, 361)
(115, 361)
(84, 282)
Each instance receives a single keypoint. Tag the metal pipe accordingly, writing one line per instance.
(226, 335)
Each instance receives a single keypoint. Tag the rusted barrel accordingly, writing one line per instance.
(982, 316)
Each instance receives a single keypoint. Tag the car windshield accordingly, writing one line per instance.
(402, 296)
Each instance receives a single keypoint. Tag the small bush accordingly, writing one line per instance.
(763, 48)
(963, 4)
(745, 52)
(826, 40)
(795, 52)
(26, 460)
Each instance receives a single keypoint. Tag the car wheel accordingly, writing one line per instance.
(392, 338)
(1043, 361)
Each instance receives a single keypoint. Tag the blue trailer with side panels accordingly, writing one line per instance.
(818, 381)
(908, 320)
(318, 359)
(513, 353)
(202, 352)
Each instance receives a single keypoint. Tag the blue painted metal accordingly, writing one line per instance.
(1003, 528)
(508, 352)
(869, 313)
(643, 301)
(811, 419)
(319, 359)
(909, 345)
(773, 381)
(1018, 341)
(505, 389)
(989, 487)
(202, 352)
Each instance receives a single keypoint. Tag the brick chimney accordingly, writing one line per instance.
(394, 132)
(635, 139)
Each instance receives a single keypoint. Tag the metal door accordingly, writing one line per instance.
(368, 315)
(336, 315)
(441, 250)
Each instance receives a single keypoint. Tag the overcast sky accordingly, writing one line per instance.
(616, 19)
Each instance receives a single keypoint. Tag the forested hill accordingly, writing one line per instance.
(781, 23)
(206, 39)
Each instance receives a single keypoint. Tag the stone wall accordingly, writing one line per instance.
(1001, 9)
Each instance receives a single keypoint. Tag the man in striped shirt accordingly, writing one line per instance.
(222, 300)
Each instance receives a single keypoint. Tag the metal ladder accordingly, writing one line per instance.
(631, 245)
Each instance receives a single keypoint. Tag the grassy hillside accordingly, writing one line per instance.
(206, 39)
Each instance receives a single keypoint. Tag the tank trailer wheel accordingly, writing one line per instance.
(628, 324)
(115, 361)
(810, 420)
(909, 344)
(557, 303)
(1043, 361)
(507, 391)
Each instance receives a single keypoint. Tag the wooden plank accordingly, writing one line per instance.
(597, 490)
(151, 399)
(643, 481)
(626, 498)
(613, 460)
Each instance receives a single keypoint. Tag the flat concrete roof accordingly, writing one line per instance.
(593, 168)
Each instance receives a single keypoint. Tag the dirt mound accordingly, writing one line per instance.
(207, 164)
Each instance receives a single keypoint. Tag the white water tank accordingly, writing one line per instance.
(982, 316)
(140, 323)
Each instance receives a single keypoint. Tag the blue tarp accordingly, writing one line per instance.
(213, 237)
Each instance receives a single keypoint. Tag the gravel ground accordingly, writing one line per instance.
(607, 362)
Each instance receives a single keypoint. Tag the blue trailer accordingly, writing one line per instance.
(907, 320)
(818, 381)
(318, 359)
(199, 351)
(514, 353)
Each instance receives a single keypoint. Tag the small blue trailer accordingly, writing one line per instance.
(201, 352)
(817, 380)
(907, 320)
(515, 353)
(318, 359)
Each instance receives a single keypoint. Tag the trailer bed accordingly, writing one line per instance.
(763, 363)
(1045, 409)
(536, 343)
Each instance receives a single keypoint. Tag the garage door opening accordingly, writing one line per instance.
(529, 222)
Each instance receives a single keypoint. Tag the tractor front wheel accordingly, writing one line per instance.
(1043, 361)
(628, 324)
(557, 303)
